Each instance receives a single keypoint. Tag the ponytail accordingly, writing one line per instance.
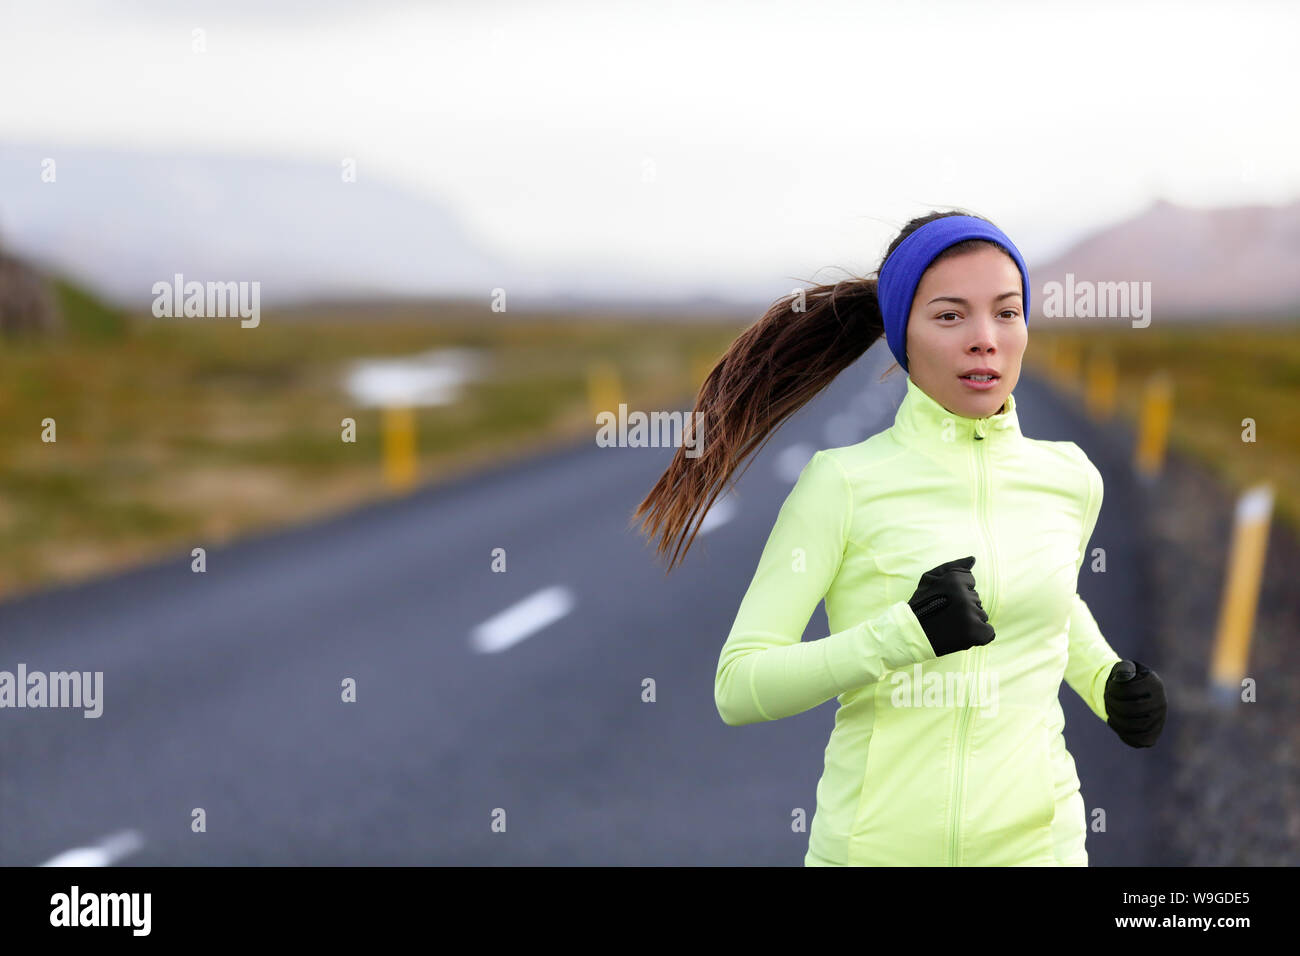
(771, 371)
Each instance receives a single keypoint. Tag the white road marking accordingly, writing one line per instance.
(842, 429)
(791, 461)
(522, 619)
(104, 853)
(723, 510)
(873, 411)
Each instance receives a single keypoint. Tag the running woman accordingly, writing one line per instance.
(947, 549)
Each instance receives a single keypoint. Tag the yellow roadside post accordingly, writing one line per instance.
(1045, 353)
(1153, 425)
(399, 446)
(1067, 365)
(1240, 594)
(604, 388)
(1102, 379)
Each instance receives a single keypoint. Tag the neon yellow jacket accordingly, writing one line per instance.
(957, 760)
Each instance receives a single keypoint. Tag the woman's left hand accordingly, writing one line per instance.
(1135, 703)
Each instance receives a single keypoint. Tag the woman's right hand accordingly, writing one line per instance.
(948, 608)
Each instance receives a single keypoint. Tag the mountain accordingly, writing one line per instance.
(27, 303)
(119, 221)
(1200, 263)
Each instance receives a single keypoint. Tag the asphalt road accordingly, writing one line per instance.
(223, 690)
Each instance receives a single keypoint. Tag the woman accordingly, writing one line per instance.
(947, 747)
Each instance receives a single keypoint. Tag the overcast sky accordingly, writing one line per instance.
(695, 136)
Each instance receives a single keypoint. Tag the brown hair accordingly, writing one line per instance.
(769, 372)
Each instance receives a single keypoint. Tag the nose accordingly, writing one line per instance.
(982, 338)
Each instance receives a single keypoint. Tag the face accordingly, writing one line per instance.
(968, 313)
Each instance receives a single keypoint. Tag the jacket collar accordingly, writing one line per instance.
(922, 420)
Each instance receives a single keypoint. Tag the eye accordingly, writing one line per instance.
(1011, 312)
(942, 314)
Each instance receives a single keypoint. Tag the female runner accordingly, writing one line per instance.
(947, 747)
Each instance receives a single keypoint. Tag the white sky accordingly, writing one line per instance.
(783, 137)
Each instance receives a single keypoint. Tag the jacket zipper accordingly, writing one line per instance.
(980, 652)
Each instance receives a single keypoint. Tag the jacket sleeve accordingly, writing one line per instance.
(1090, 656)
(766, 671)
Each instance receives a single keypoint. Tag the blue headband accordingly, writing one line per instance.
(902, 271)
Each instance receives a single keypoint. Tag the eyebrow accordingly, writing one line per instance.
(960, 301)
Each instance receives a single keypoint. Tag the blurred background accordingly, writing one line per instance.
(450, 235)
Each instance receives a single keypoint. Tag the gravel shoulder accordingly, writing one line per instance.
(1234, 771)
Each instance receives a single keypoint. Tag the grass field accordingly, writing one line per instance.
(1220, 376)
(173, 434)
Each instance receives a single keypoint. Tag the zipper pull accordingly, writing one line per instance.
(980, 425)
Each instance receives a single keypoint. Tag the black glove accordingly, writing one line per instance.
(949, 609)
(1135, 703)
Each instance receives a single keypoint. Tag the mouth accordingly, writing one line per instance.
(980, 380)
